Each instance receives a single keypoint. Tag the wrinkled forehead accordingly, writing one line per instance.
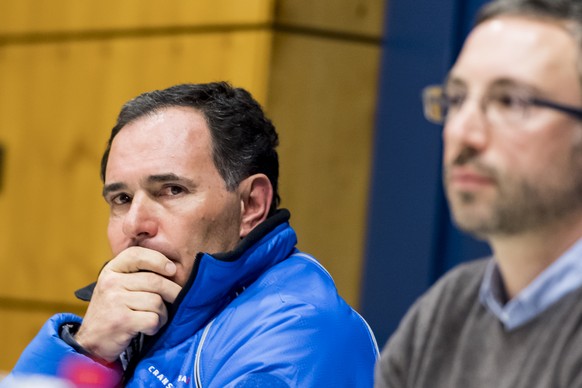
(170, 138)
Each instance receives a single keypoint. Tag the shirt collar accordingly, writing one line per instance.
(559, 279)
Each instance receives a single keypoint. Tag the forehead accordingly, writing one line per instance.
(535, 52)
(171, 139)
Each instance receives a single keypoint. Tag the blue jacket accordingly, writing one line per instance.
(264, 314)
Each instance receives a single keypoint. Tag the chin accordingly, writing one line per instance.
(473, 224)
(179, 279)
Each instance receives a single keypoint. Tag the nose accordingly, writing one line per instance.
(468, 128)
(140, 222)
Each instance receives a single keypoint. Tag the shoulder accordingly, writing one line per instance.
(292, 315)
(463, 280)
(452, 295)
(446, 304)
(433, 323)
(301, 287)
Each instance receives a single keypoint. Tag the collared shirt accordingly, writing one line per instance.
(560, 278)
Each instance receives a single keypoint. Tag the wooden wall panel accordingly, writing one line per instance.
(33, 16)
(67, 66)
(58, 102)
(361, 17)
(322, 99)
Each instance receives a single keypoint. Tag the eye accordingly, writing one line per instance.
(172, 191)
(120, 199)
(508, 100)
(454, 100)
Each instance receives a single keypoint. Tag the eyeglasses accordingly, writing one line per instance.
(505, 106)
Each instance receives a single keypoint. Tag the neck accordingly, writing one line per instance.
(521, 258)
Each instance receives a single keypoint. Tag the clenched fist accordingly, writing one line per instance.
(128, 299)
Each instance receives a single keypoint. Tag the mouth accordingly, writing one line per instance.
(466, 179)
(172, 256)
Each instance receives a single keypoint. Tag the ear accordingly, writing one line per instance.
(256, 197)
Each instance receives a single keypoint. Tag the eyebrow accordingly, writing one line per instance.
(158, 178)
(169, 177)
(511, 83)
(504, 82)
(113, 187)
(451, 80)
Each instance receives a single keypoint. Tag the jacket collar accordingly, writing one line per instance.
(217, 279)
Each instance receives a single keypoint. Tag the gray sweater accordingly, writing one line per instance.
(449, 339)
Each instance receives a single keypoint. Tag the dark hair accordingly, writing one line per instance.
(561, 10)
(567, 13)
(243, 138)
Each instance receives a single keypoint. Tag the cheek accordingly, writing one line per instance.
(537, 156)
(218, 230)
(115, 236)
(451, 147)
(450, 154)
(533, 163)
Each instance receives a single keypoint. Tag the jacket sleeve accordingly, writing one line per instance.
(49, 355)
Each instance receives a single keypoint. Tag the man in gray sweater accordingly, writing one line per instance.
(512, 113)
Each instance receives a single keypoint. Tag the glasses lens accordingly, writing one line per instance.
(508, 106)
(434, 104)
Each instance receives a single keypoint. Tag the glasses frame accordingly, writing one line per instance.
(431, 92)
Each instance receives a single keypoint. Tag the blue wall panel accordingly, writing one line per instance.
(410, 239)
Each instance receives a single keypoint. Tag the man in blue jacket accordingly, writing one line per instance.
(206, 286)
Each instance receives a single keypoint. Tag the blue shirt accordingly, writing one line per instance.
(560, 278)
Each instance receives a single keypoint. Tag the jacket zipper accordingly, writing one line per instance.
(197, 378)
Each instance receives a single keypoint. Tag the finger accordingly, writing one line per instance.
(152, 283)
(109, 341)
(106, 333)
(135, 259)
(148, 322)
(148, 302)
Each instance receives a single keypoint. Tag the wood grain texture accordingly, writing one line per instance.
(322, 97)
(59, 99)
(32, 16)
(359, 17)
(67, 66)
